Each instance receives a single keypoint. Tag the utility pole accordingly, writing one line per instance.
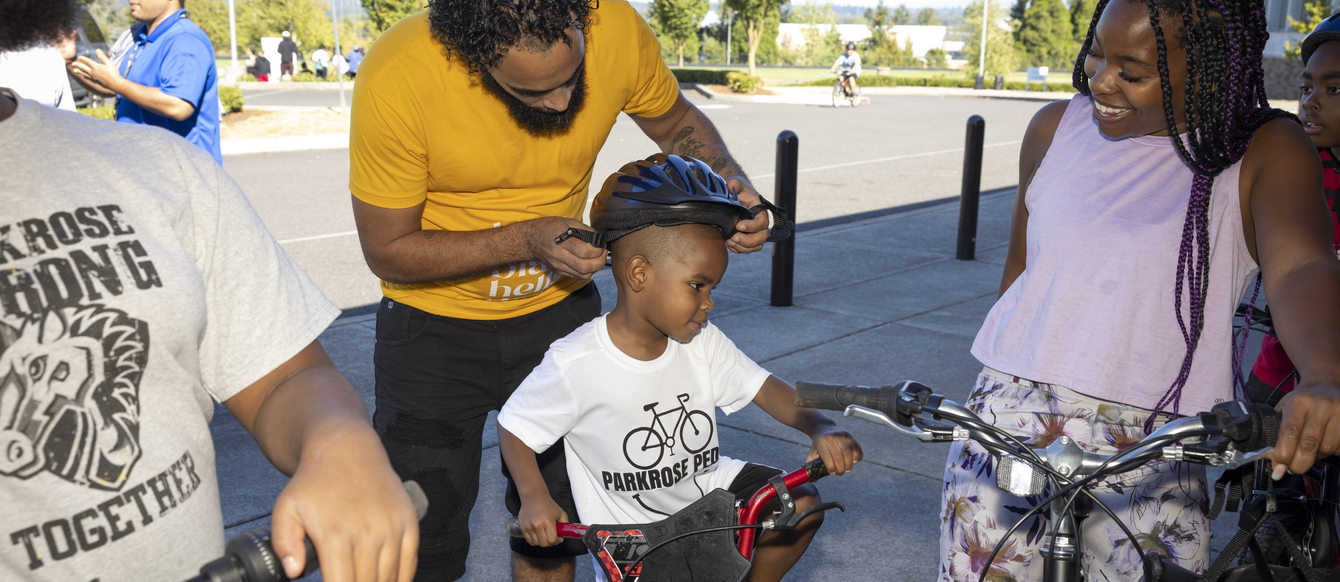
(981, 58)
(339, 77)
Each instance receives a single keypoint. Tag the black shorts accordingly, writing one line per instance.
(437, 379)
(751, 478)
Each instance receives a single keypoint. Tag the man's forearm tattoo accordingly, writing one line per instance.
(685, 144)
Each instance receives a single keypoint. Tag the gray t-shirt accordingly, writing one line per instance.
(137, 285)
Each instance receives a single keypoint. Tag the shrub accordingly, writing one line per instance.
(231, 98)
(106, 111)
(743, 82)
(304, 78)
(702, 76)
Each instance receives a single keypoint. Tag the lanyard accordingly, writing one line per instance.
(140, 43)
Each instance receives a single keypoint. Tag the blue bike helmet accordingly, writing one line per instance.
(668, 190)
(1328, 30)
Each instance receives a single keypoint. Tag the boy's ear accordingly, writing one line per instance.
(639, 271)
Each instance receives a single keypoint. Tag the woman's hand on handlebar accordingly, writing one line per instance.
(1309, 427)
(537, 520)
(345, 497)
(837, 448)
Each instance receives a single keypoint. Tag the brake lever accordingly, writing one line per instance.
(1235, 459)
(926, 434)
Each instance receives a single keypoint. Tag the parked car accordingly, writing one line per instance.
(87, 43)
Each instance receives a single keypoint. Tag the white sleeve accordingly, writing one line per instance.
(543, 408)
(736, 378)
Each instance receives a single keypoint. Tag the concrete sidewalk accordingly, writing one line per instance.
(876, 300)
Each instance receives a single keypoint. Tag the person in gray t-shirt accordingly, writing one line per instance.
(138, 287)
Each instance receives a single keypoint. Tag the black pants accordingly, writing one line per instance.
(437, 378)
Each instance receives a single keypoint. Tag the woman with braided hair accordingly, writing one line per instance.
(1147, 206)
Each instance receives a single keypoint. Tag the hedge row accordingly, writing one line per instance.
(702, 76)
(937, 81)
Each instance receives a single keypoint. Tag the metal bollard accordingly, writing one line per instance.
(784, 251)
(972, 189)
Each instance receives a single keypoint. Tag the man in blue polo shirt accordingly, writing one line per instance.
(167, 78)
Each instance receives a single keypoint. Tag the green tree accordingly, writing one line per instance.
(1316, 11)
(1000, 50)
(936, 59)
(1017, 10)
(384, 13)
(1081, 14)
(822, 41)
(901, 15)
(112, 15)
(928, 17)
(877, 19)
(754, 16)
(678, 20)
(305, 19)
(1046, 37)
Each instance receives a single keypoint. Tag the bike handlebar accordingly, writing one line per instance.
(911, 407)
(249, 557)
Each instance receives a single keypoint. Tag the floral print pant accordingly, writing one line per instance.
(1163, 503)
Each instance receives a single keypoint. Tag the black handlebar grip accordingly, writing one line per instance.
(840, 396)
(1251, 426)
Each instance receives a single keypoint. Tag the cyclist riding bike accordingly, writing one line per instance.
(848, 67)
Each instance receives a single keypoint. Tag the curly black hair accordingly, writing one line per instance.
(29, 22)
(480, 32)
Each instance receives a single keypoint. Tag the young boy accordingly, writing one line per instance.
(1273, 373)
(631, 393)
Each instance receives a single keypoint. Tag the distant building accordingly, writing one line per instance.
(791, 36)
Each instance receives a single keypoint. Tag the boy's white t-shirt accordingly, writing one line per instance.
(635, 454)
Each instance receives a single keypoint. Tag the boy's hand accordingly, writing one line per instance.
(837, 448)
(537, 520)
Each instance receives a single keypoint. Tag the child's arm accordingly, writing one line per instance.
(538, 512)
(838, 449)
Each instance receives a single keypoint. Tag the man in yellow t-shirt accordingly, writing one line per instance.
(465, 165)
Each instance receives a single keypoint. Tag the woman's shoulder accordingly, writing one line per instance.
(1278, 144)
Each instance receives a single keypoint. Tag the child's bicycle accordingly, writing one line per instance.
(846, 89)
(711, 540)
(1231, 435)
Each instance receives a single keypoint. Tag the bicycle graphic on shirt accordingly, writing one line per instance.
(645, 446)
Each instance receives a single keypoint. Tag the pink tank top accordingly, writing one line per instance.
(1093, 309)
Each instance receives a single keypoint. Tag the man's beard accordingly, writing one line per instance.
(540, 122)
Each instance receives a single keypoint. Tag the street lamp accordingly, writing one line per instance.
(981, 57)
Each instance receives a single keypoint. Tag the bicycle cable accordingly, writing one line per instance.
(1075, 489)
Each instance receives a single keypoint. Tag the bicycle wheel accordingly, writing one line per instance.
(644, 451)
(837, 93)
(696, 432)
(855, 95)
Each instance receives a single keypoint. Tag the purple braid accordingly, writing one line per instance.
(1224, 105)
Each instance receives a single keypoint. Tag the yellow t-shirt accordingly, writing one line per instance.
(425, 131)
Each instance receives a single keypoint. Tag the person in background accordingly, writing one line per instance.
(109, 381)
(166, 79)
(321, 61)
(848, 65)
(38, 73)
(352, 61)
(258, 66)
(288, 50)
